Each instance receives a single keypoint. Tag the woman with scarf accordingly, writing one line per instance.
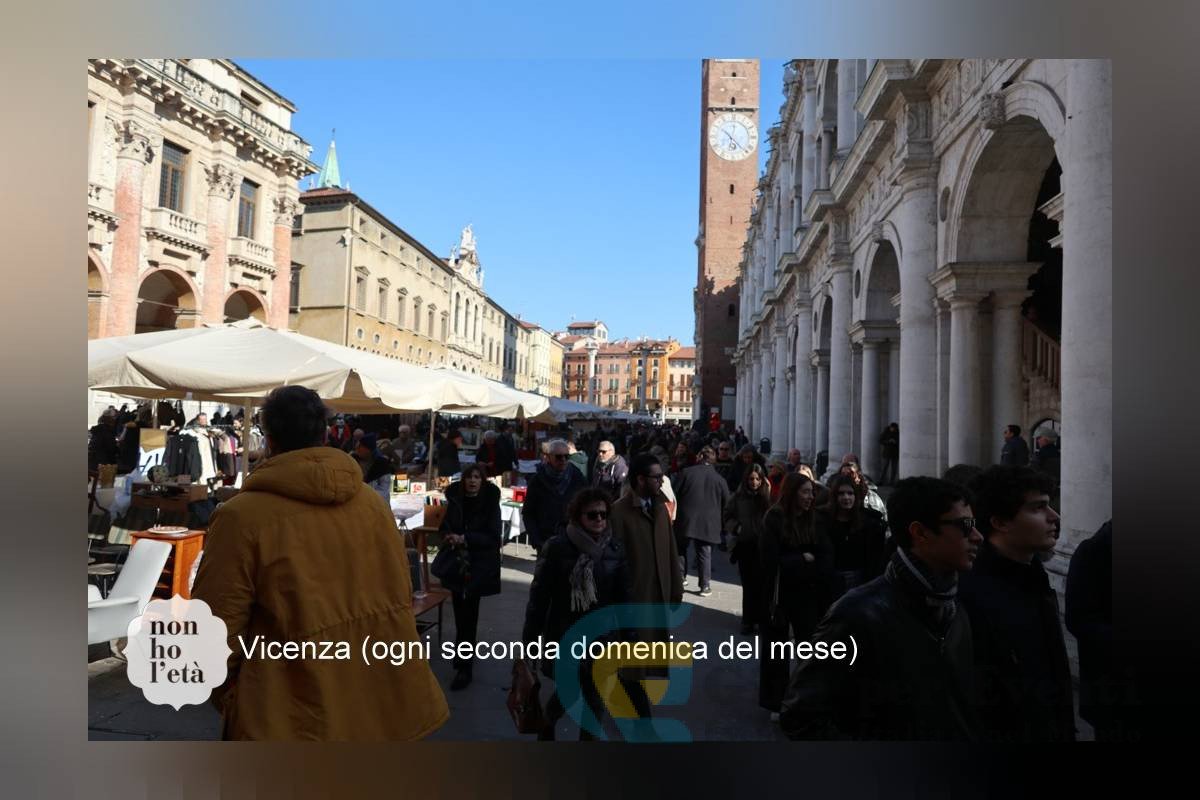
(579, 571)
(744, 523)
(797, 564)
(472, 525)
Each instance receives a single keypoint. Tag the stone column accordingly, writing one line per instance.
(870, 408)
(941, 317)
(753, 421)
(1008, 385)
(839, 366)
(222, 183)
(592, 388)
(826, 158)
(822, 415)
(804, 378)
(893, 383)
(811, 134)
(286, 208)
(765, 404)
(916, 222)
(779, 416)
(847, 94)
(134, 152)
(965, 380)
(1087, 303)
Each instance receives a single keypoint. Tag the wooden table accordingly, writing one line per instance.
(176, 503)
(177, 570)
(434, 598)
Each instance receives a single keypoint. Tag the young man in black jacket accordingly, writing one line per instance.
(1020, 655)
(913, 675)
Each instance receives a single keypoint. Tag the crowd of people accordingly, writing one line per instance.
(943, 586)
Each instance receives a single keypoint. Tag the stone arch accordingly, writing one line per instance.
(167, 299)
(244, 303)
(1000, 174)
(97, 296)
(824, 332)
(880, 280)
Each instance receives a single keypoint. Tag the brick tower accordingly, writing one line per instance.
(728, 173)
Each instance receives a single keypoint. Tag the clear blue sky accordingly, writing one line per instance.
(580, 178)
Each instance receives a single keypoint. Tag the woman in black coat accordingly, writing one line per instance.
(578, 571)
(744, 521)
(797, 561)
(472, 523)
(857, 534)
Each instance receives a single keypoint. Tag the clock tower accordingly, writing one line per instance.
(729, 142)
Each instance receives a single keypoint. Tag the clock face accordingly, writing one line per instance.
(733, 136)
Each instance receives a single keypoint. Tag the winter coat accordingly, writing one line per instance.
(701, 495)
(804, 586)
(907, 682)
(611, 476)
(1015, 452)
(744, 517)
(1090, 621)
(548, 613)
(889, 445)
(447, 459)
(1048, 460)
(480, 524)
(580, 460)
(650, 550)
(307, 552)
(1021, 661)
(544, 511)
(102, 446)
(858, 548)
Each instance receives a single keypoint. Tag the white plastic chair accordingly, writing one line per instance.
(109, 618)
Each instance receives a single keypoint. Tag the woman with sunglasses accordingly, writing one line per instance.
(472, 525)
(744, 523)
(797, 562)
(857, 533)
(578, 571)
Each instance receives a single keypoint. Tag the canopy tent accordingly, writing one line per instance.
(241, 362)
(564, 409)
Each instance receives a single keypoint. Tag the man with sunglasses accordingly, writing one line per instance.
(551, 489)
(913, 672)
(1024, 677)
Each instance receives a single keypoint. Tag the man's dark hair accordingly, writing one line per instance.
(585, 498)
(921, 499)
(1000, 492)
(707, 455)
(962, 474)
(1015, 430)
(640, 467)
(294, 418)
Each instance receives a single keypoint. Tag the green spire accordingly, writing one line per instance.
(329, 170)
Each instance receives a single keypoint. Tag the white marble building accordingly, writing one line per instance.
(929, 237)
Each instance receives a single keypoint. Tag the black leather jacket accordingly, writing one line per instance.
(907, 682)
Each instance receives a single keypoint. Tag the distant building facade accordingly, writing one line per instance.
(193, 174)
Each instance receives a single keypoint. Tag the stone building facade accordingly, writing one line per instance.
(932, 245)
(681, 381)
(193, 177)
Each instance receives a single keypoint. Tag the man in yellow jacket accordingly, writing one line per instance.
(308, 553)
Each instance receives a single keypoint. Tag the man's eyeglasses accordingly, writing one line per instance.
(965, 524)
(596, 515)
(559, 456)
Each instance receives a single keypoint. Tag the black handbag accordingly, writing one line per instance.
(451, 567)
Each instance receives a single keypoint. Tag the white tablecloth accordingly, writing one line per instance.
(410, 509)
